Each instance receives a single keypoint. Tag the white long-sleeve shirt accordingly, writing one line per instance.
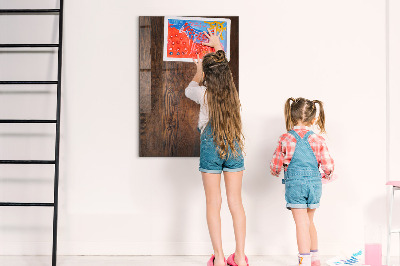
(196, 93)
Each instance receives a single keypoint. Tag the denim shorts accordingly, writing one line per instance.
(303, 193)
(210, 160)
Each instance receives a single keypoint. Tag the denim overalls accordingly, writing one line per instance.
(302, 181)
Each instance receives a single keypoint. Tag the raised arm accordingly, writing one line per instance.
(199, 70)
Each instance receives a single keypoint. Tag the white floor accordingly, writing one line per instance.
(142, 260)
(135, 260)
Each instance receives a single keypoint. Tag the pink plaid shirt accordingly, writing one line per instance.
(287, 144)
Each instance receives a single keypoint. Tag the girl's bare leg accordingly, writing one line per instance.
(302, 221)
(313, 230)
(233, 183)
(212, 188)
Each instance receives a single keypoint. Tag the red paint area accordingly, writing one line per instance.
(180, 46)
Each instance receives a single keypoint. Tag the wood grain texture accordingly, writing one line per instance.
(168, 120)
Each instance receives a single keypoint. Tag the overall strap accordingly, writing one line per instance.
(294, 133)
(308, 134)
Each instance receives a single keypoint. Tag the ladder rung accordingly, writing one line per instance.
(27, 161)
(29, 82)
(38, 204)
(6, 11)
(395, 231)
(33, 45)
(27, 121)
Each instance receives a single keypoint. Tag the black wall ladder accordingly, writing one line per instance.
(57, 82)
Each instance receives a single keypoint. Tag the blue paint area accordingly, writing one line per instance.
(197, 27)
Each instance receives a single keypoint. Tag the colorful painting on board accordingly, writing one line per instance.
(183, 37)
(168, 120)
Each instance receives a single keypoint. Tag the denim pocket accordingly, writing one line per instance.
(293, 190)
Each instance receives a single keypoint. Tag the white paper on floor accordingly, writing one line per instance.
(350, 258)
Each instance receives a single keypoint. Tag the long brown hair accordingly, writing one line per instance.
(223, 104)
(303, 110)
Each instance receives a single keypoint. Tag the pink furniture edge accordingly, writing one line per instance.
(393, 183)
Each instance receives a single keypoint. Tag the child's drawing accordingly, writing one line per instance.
(183, 37)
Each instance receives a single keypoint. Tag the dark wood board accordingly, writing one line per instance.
(168, 120)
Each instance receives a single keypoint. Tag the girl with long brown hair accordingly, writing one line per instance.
(221, 147)
(302, 153)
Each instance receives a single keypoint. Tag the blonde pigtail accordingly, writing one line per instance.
(288, 114)
(321, 116)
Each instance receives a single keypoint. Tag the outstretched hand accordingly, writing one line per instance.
(213, 39)
(198, 64)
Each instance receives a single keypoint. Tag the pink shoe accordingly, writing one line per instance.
(316, 263)
(231, 260)
(211, 261)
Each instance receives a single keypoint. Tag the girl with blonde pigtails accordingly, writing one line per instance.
(302, 154)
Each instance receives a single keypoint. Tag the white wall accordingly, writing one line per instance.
(113, 202)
